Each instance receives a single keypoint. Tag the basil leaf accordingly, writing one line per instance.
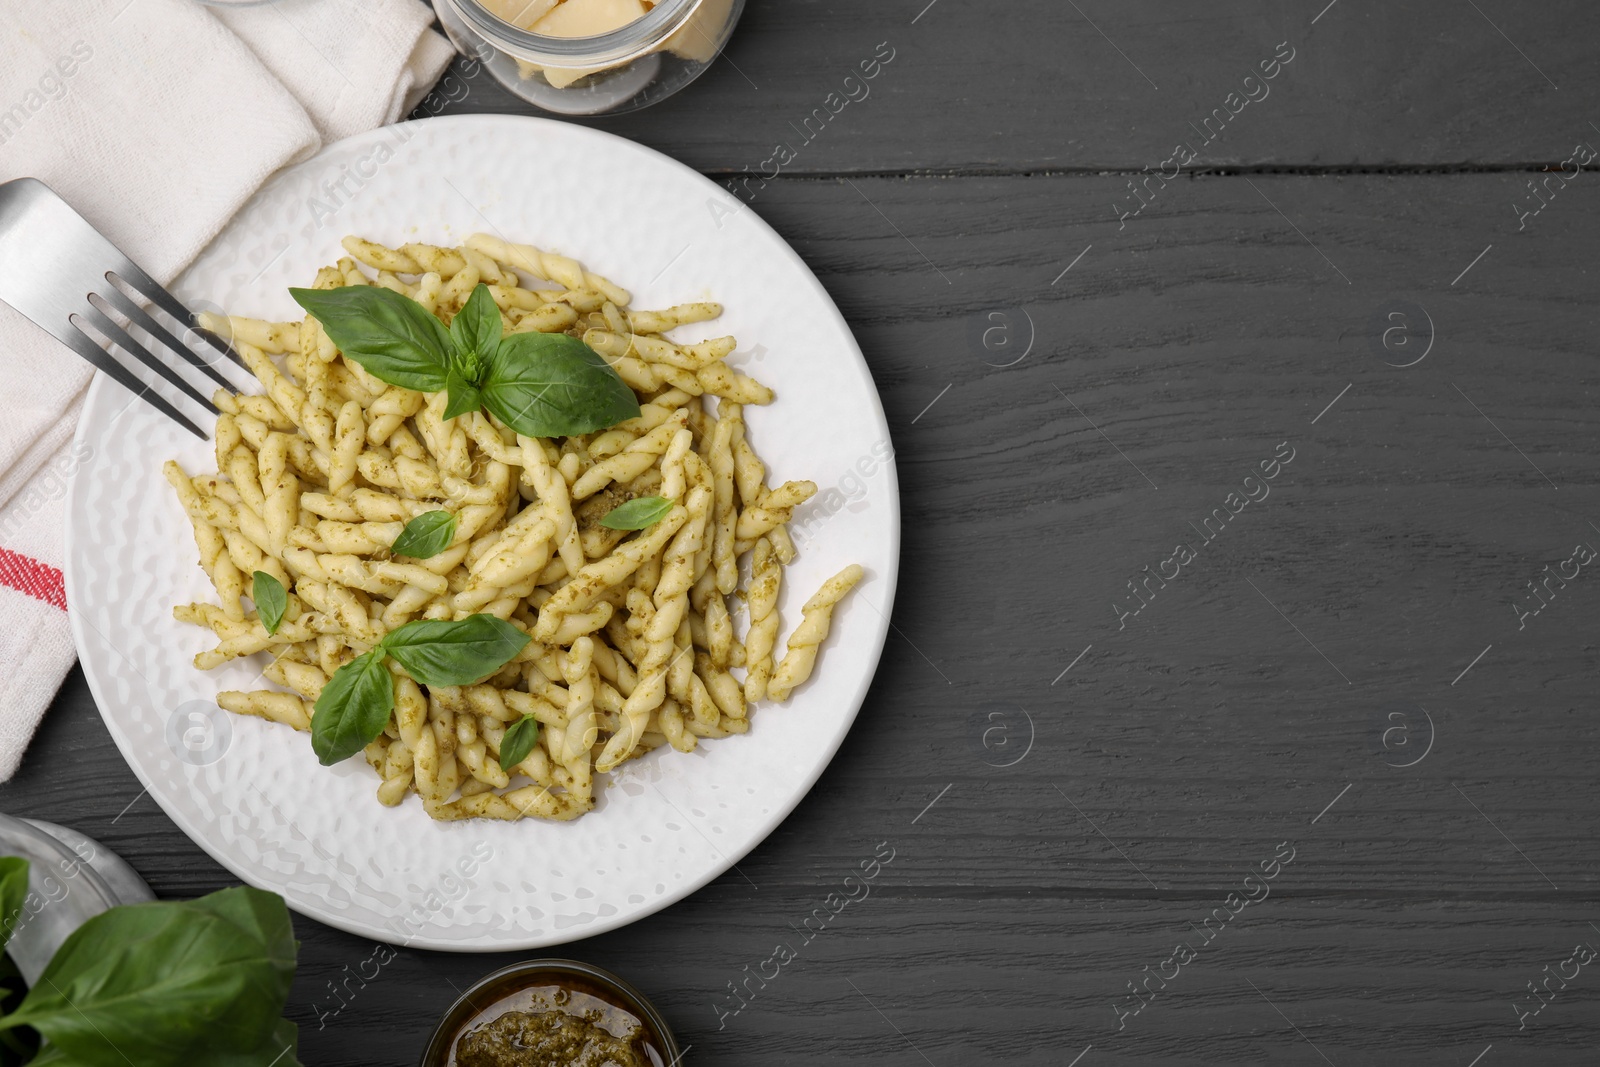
(476, 329)
(426, 536)
(261, 918)
(464, 396)
(637, 513)
(442, 652)
(393, 337)
(280, 1049)
(166, 984)
(353, 709)
(270, 598)
(552, 385)
(518, 742)
(13, 893)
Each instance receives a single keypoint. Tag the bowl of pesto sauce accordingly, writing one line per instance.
(552, 1013)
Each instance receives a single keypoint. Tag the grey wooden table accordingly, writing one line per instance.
(1240, 706)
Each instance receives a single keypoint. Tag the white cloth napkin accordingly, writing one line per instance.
(156, 119)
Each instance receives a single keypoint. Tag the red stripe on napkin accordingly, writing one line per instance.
(28, 575)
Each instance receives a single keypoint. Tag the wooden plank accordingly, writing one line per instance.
(1038, 981)
(1196, 340)
(906, 979)
(1042, 86)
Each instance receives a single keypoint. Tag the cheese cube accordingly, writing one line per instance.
(521, 13)
(588, 18)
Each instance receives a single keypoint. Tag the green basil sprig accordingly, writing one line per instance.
(518, 742)
(356, 703)
(169, 984)
(637, 513)
(441, 652)
(552, 385)
(477, 330)
(539, 384)
(426, 536)
(352, 709)
(271, 600)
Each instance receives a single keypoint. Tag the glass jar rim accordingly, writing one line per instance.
(618, 46)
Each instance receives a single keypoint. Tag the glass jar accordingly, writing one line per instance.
(71, 879)
(628, 68)
(543, 986)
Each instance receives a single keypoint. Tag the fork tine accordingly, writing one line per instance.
(131, 273)
(102, 360)
(118, 336)
(136, 314)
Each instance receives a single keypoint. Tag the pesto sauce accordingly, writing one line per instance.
(554, 1019)
(545, 1039)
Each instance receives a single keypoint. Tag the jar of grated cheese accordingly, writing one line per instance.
(591, 57)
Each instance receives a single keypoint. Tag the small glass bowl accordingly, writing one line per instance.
(520, 986)
(71, 879)
(627, 69)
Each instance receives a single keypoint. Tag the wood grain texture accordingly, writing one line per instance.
(1073, 393)
(1040, 85)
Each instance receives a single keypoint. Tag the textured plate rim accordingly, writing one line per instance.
(781, 811)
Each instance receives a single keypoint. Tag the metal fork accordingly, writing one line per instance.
(52, 262)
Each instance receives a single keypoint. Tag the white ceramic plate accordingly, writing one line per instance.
(251, 793)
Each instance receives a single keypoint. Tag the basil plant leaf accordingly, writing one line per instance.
(13, 893)
(518, 742)
(353, 709)
(168, 984)
(426, 536)
(259, 917)
(393, 337)
(552, 385)
(461, 652)
(638, 513)
(476, 329)
(270, 598)
(463, 395)
(262, 918)
(280, 1049)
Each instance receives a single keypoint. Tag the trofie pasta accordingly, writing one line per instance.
(817, 616)
(630, 635)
